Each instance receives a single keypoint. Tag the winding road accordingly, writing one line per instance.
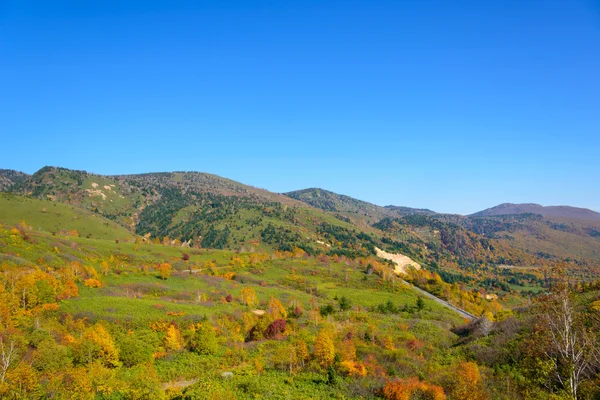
(393, 258)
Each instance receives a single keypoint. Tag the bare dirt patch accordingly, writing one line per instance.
(402, 262)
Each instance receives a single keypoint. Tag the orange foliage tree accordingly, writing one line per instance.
(92, 283)
(412, 389)
(164, 270)
(467, 383)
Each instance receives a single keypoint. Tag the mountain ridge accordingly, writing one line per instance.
(561, 211)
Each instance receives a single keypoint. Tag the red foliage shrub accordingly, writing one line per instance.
(275, 328)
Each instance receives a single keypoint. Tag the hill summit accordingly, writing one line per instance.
(545, 211)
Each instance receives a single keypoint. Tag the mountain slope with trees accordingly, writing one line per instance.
(506, 256)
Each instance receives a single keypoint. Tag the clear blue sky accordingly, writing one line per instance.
(450, 105)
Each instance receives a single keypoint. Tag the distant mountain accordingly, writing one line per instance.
(351, 207)
(402, 211)
(339, 203)
(547, 212)
(10, 178)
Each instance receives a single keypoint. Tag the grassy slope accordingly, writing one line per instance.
(50, 216)
(134, 299)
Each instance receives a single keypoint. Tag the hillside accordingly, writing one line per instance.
(266, 288)
(58, 218)
(339, 203)
(468, 248)
(144, 318)
(10, 178)
(549, 237)
(565, 212)
(206, 211)
(106, 319)
(200, 209)
(351, 207)
(403, 211)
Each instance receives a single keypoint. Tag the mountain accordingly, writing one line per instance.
(200, 209)
(341, 204)
(504, 235)
(351, 207)
(205, 210)
(548, 211)
(402, 211)
(10, 178)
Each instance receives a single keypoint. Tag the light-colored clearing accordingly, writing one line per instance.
(96, 192)
(402, 262)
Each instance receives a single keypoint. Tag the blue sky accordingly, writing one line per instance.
(450, 105)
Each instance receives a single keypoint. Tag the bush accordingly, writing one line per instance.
(92, 283)
(204, 341)
(275, 328)
(133, 351)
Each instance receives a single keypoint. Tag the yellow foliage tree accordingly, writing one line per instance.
(348, 350)
(248, 296)
(173, 339)
(353, 368)
(276, 309)
(24, 382)
(302, 352)
(70, 383)
(324, 348)
(97, 344)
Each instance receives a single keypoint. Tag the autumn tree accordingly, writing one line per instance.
(97, 344)
(285, 357)
(276, 309)
(69, 290)
(92, 283)
(24, 382)
(412, 389)
(164, 270)
(324, 348)
(301, 350)
(248, 296)
(173, 339)
(466, 383)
